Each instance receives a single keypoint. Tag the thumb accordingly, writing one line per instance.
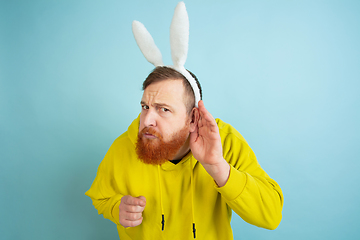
(194, 135)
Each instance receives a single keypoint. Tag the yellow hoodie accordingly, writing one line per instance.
(185, 193)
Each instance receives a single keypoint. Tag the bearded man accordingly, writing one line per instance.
(178, 173)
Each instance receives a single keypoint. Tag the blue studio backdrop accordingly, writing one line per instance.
(284, 73)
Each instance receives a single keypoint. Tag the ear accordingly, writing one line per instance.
(194, 117)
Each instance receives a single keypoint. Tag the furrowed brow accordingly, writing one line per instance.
(158, 105)
(163, 105)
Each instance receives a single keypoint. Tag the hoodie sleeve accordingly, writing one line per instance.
(249, 191)
(103, 192)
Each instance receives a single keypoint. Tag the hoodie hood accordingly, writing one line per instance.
(133, 130)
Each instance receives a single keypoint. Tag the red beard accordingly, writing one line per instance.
(156, 151)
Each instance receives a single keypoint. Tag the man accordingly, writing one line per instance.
(177, 173)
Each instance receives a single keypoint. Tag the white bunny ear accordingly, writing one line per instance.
(179, 35)
(179, 42)
(146, 44)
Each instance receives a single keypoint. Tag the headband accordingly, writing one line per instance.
(179, 42)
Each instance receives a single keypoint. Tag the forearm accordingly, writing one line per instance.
(257, 200)
(109, 207)
(104, 198)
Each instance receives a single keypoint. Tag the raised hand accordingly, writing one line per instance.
(205, 145)
(205, 142)
(130, 210)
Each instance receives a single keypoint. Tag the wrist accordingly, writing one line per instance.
(220, 172)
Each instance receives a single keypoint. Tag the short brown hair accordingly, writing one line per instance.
(165, 73)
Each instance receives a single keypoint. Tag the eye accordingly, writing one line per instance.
(164, 109)
(145, 107)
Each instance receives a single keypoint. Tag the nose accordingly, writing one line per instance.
(150, 118)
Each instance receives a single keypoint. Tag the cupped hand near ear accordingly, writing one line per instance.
(206, 147)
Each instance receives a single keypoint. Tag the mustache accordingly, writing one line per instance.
(152, 131)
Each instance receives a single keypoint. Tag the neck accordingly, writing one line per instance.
(183, 150)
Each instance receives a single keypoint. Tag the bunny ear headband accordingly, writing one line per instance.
(179, 42)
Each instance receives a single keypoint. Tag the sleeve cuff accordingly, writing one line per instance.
(234, 185)
(115, 212)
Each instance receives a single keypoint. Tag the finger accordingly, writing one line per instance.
(127, 223)
(205, 113)
(202, 109)
(133, 208)
(132, 216)
(200, 122)
(142, 201)
(206, 118)
(129, 200)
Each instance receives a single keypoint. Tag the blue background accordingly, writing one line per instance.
(284, 73)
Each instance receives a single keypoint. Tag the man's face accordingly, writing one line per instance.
(164, 122)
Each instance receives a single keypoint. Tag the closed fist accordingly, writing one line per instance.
(130, 210)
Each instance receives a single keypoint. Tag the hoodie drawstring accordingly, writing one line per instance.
(192, 199)
(192, 196)
(161, 202)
